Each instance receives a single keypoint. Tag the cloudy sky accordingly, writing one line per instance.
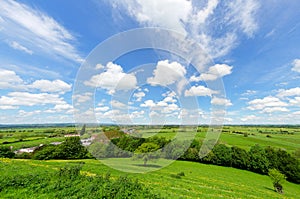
(252, 45)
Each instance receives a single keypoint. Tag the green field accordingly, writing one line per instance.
(199, 181)
(196, 180)
(287, 138)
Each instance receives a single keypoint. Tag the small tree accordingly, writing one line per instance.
(278, 179)
(147, 151)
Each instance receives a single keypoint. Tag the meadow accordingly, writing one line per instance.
(195, 181)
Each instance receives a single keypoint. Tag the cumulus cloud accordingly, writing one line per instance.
(274, 109)
(84, 97)
(55, 86)
(167, 73)
(30, 99)
(296, 65)
(289, 92)
(118, 105)
(249, 118)
(214, 72)
(8, 107)
(139, 96)
(199, 91)
(9, 79)
(37, 30)
(267, 104)
(221, 101)
(113, 78)
(295, 101)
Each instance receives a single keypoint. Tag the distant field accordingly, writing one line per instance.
(287, 137)
(199, 181)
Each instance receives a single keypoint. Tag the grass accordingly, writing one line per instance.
(199, 180)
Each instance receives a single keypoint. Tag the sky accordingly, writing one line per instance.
(57, 61)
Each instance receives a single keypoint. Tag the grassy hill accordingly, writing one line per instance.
(198, 181)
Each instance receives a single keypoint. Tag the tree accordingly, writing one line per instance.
(277, 179)
(259, 162)
(239, 158)
(71, 148)
(222, 155)
(147, 151)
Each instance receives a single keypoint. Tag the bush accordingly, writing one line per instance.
(5, 152)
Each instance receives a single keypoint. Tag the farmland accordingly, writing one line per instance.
(180, 179)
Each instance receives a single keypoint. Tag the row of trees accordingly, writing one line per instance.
(257, 159)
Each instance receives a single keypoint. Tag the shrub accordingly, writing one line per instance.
(5, 152)
(277, 179)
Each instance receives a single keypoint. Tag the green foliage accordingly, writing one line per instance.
(71, 148)
(68, 182)
(45, 152)
(258, 161)
(5, 152)
(147, 151)
(239, 158)
(285, 163)
(277, 179)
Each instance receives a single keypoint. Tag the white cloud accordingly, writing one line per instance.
(118, 105)
(37, 30)
(168, 13)
(137, 114)
(9, 79)
(249, 118)
(112, 79)
(269, 101)
(15, 45)
(295, 101)
(221, 101)
(214, 72)
(8, 107)
(288, 93)
(199, 20)
(274, 109)
(55, 86)
(242, 13)
(139, 96)
(102, 109)
(80, 98)
(30, 99)
(148, 103)
(296, 65)
(199, 91)
(249, 93)
(167, 73)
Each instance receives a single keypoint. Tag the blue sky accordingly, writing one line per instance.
(253, 48)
